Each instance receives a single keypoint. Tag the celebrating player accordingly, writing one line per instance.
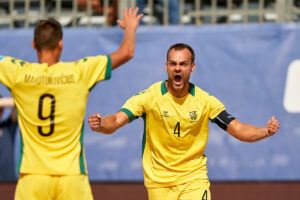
(51, 98)
(176, 115)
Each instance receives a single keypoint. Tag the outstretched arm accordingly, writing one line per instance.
(249, 133)
(6, 102)
(129, 24)
(109, 123)
(9, 102)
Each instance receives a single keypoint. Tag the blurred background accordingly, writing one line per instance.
(247, 55)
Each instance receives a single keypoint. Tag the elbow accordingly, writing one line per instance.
(129, 56)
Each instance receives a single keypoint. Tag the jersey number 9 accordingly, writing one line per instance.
(50, 116)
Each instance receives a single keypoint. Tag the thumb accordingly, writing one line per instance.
(273, 117)
(121, 24)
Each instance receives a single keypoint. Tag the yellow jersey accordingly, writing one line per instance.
(175, 133)
(51, 103)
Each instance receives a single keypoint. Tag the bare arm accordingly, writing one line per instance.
(129, 24)
(109, 123)
(9, 102)
(249, 133)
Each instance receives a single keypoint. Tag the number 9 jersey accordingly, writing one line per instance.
(51, 103)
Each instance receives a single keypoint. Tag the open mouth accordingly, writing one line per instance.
(177, 78)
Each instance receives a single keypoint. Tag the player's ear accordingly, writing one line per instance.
(166, 67)
(60, 44)
(33, 44)
(193, 67)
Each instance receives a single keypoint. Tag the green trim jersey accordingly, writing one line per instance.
(175, 133)
(51, 103)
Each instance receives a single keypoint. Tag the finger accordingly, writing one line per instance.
(136, 10)
(140, 16)
(98, 115)
(130, 12)
(125, 13)
(91, 117)
(121, 24)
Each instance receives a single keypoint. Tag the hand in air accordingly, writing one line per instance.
(95, 121)
(272, 126)
(130, 18)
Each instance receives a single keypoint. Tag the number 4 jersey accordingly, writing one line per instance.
(175, 133)
(51, 103)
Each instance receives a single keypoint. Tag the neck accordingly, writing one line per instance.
(178, 93)
(50, 57)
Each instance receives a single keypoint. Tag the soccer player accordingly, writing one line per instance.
(50, 98)
(176, 115)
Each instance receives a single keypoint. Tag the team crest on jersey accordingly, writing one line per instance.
(2, 58)
(165, 114)
(193, 115)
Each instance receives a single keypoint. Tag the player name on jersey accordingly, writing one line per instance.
(50, 80)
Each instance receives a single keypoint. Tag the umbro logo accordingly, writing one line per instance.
(165, 114)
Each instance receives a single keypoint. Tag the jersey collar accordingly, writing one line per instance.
(164, 89)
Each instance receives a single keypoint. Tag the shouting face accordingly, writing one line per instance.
(179, 67)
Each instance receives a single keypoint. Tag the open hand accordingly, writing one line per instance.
(130, 18)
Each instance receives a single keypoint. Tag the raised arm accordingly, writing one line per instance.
(129, 24)
(109, 123)
(9, 102)
(249, 133)
(6, 102)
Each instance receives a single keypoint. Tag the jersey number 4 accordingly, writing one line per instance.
(177, 129)
(49, 117)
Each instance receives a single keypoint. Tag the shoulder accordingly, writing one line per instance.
(99, 58)
(200, 93)
(204, 96)
(13, 61)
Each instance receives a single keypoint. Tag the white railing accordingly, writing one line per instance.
(74, 13)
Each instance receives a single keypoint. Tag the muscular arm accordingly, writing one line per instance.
(109, 123)
(126, 51)
(249, 133)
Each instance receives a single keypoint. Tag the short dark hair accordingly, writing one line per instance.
(181, 46)
(47, 34)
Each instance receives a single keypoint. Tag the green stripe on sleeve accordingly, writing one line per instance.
(129, 113)
(108, 69)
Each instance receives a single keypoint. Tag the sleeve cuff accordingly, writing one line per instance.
(108, 68)
(129, 113)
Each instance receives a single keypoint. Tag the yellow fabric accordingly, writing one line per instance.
(45, 187)
(51, 103)
(175, 134)
(193, 190)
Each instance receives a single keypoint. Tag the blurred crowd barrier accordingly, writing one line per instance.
(94, 13)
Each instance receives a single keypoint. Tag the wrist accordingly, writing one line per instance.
(129, 28)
